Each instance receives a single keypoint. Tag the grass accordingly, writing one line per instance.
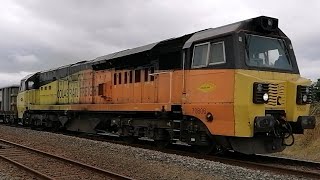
(307, 146)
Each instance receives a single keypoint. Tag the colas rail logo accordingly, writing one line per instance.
(207, 87)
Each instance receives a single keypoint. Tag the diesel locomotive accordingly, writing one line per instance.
(235, 87)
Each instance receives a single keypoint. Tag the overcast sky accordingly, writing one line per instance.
(42, 34)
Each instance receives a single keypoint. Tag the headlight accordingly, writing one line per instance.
(260, 93)
(304, 95)
(265, 97)
(304, 98)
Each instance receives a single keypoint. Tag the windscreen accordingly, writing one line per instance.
(266, 52)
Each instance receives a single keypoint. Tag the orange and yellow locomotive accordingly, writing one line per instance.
(233, 87)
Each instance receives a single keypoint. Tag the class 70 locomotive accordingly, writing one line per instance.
(235, 87)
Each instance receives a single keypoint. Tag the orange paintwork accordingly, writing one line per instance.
(211, 91)
(101, 77)
(221, 80)
(85, 87)
(223, 117)
(197, 91)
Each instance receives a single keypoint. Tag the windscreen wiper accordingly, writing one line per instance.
(247, 41)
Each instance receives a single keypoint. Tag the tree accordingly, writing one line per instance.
(316, 91)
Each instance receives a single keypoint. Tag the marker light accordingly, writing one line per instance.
(307, 90)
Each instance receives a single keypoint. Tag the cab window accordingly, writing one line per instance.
(267, 52)
(22, 86)
(30, 85)
(217, 55)
(208, 54)
(200, 55)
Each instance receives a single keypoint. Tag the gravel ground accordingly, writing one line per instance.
(130, 161)
(9, 172)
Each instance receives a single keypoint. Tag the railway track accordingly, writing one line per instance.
(279, 165)
(302, 169)
(48, 166)
(299, 168)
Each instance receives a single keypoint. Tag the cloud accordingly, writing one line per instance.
(7, 79)
(310, 68)
(38, 35)
(25, 58)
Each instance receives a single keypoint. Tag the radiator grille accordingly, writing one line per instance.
(276, 95)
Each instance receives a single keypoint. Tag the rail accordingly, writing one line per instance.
(18, 157)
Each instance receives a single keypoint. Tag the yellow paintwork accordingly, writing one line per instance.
(21, 103)
(207, 87)
(69, 90)
(63, 91)
(48, 93)
(51, 107)
(63, 95)
(33, 97)
(26, 99)
(74, 92)
(245, 110)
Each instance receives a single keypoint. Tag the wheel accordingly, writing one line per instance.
(130, 139)
(25, 121)
(56, 125)
(209, 147)
(162, 144)
(204, 149)
(162, 139)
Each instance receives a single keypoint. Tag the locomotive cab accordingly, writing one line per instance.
(280, 97)
(269, 101)
(28, 94)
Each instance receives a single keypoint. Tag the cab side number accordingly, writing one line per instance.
(199, 110)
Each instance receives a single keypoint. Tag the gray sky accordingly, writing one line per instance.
(41, 34)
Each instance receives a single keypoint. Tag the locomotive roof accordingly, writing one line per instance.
(65, 66)
(126, 52)
(186, 42)
(28, 76)
(196, 36)
(211, 32)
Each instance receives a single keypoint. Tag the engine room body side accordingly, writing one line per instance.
(224, 94)
(201, 96)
